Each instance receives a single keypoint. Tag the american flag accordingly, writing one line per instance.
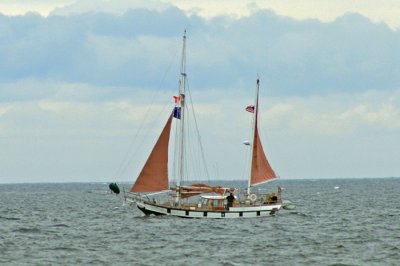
(250, 108)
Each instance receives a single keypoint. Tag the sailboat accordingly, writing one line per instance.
(202, 200)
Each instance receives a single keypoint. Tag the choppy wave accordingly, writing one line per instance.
(336, 222)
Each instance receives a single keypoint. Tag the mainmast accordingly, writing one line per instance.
(182, 89)
(255, 118)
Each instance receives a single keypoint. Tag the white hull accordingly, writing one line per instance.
(233, 212)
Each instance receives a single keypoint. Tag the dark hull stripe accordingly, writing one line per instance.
(204, 213)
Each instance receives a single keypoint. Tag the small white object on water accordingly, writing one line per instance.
(246, 142)
(336, 187)
(116, 208)
(288, 205)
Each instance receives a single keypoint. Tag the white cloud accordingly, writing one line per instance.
(387, 116)
(137, 48)
(345, 114)
(20, 7)
(325, 10)
(74, 90)
(379, 11)
(326, 128)
(4, 110)
(105, 6)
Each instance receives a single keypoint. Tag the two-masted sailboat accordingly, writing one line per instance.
(201, 200)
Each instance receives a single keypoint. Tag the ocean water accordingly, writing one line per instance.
(336, 222)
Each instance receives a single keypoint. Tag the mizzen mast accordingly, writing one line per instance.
(253, 131)
(260, 169)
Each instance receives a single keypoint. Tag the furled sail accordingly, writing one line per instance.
(197, 189)
(261, 171)
(154, 175)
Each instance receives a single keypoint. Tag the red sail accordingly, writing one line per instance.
(154, 175)
(261, 171)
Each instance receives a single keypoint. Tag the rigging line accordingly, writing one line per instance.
(247, 164)
(198, 133)
(192, 166)
(146, 133)
(191, 153)
(245, 169)
(126, 161)
(175, 151)
(189, 165)
(188, 150)
(198, 171)
(129, 154)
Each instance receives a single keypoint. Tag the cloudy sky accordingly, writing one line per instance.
(77, 78)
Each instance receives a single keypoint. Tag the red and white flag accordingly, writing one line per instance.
(177, 99)
(250, 108)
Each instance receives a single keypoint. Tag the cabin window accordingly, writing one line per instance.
(187, 213)
(205, 214)
(258, 213)
(215, 203)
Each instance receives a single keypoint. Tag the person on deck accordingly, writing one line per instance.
(230, 200)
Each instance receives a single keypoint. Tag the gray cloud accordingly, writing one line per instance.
(135, 50)
(73, 89)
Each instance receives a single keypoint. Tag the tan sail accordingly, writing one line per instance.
(261, 171)
(154, 175)
(197, 189)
